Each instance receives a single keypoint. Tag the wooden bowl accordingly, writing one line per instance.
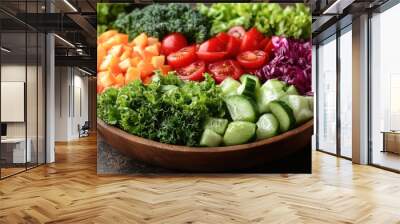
(207, 159)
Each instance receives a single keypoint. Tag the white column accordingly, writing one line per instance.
(360, 90)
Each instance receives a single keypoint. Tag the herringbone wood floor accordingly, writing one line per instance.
(69, 191)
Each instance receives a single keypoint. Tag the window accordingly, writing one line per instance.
(327, 96)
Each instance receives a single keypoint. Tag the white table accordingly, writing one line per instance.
(18, 149)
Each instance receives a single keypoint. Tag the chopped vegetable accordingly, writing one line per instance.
(159, 20)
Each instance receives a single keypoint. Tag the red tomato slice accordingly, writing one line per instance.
(222, 69)
(211, 56)
(183, 57)
(193, 71)
(269, 48)
(251, 40)
(233, 46)
(237, 31)
(223, 37)
(252, 59)
(173, 43)
(264, 43)
(212, 45)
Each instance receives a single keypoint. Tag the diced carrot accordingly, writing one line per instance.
(125, 64)
(158, 61)
(147, 56)
(107, 80)
(146, 69)
(153, 49)
(152, 40)
(100, 89)
(101, 53)
(132, 74)
(141, 40)
(116, 39)
(137, 50)
(119, 81)
(116, 50)
(165, 69)
(106, 35)
(109, 62)
(127, 53)
(135, 61)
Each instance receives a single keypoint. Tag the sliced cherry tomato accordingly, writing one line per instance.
(173, 43)
(223, 37)
(237, 31)
(193, 71)
(269, 48)
(251, 40)
(252, 59)
(183, 57)
(211, 56)
(222, 69)
(264, 43)
(233, 46)
(212, 45)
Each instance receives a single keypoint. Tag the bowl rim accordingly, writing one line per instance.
(102, 126)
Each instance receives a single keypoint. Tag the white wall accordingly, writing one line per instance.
(70, 83)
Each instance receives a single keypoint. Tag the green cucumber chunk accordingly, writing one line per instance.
(239, 132)
(291, 90)
(229, 86)
(274, 84)
(240, 108)
(300, 107)
(248, 76)
(218, 125)
(267, 126)
(265, 96)
(248, 87)
(210, 138)
(284, 114)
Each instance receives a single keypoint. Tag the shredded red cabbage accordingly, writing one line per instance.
(291, 64)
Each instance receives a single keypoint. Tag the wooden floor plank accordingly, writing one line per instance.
(69, 191)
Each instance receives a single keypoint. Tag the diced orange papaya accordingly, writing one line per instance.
(138, 51)
(101, 54)
(158, 61)
(116, 50)
(141, 40)
(109, 62)
(132, 74)
(165, 69)
(100, 89)
(145, 68)
(152, 40)
(125, 64)
(135, 61)
(105, 36)
(147, 56)
(153, 49)
(119, 81)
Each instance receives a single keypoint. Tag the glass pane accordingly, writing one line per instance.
(327, 96)
(385, 84)
(14, 153)
(346, 94)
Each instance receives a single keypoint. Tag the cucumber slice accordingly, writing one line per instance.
(210, 138)
(243, 77)
(239, 132)
(248, 87)
(284, 114)
(265, 96)
(291, 90)
(274, 84)
(310, 102)
(300, 107)
(218, 125)
(267, 126)
(240, 108)
(229, 86)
